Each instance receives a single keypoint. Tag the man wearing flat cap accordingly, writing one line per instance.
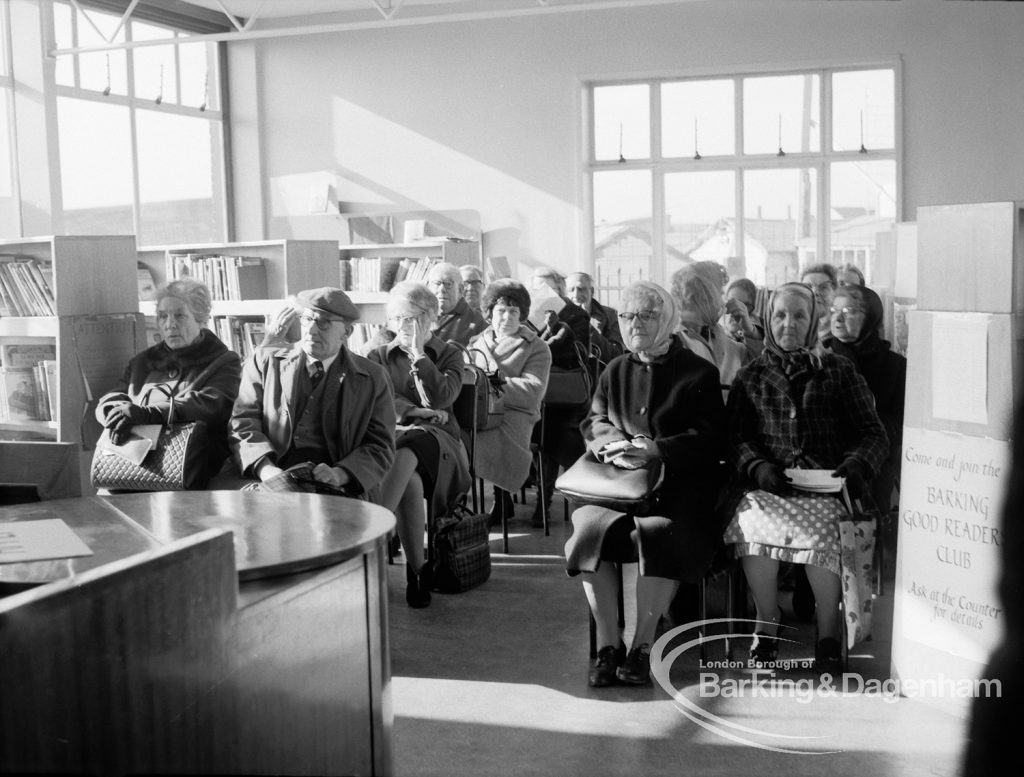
(315, 401)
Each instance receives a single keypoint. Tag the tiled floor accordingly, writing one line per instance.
(493, 681)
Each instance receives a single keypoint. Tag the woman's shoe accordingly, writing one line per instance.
(602, 669)
(828, 656)
(501, 497)
(764, 648)
(417, 586)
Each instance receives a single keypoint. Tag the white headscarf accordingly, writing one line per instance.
(668, 323)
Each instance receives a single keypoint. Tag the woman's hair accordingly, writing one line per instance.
(746, 286)
(511, 293)
(415, 297)
(824, 269)
(698, 287)
(193, 293)
(855, 270)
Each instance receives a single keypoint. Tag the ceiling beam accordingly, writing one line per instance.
(541, 9)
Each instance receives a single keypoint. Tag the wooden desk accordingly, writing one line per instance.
(283, 666)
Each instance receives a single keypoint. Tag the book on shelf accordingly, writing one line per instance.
(18, 394)
(227, 277)
(362, 333)
(147, 288)
(27, 354)
(241, 335)
(25, 288)
(50, 383)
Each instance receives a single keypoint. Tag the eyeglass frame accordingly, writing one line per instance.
(846, 310)
(645, 316)
(319, 321)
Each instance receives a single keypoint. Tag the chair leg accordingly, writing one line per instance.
(504, 520)
(702, 614)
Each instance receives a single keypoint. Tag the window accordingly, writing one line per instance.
(760, 172)
(10, 221)
(141, 131)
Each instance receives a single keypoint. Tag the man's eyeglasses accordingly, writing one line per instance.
(473, 283)
(449, 285)
(645, 316)
(846, 311)
(322, 322)
(824, 286)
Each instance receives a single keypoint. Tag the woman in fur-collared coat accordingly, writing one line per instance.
(502, 456)
(190, 364)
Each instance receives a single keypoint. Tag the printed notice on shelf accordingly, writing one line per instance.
(960, 367)
(39, 540)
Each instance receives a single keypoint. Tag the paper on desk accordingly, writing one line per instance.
(39, 540)
(141, 440)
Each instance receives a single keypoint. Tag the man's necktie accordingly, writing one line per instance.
(317, 373)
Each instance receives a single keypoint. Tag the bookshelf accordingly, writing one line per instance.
(95, 332)
(291, 266)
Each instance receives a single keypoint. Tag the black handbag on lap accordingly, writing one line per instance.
(461, 551)
(592, 482)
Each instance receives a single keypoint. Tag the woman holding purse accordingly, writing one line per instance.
(189, 366)
(430, 458)
(659, 405)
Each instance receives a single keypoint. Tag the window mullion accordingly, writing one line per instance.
(133, 128)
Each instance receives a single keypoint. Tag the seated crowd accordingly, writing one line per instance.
(699, 382)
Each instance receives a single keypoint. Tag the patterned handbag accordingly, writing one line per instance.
(461, 551)
(177, 463)
(481, 403)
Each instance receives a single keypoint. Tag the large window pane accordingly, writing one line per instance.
(95, 167)
(864, 110)
(781, 112)
(863, 197)
(622, 122)
(780, 223)
(697, 117)
(180, 191)
(700, 220)
(622, 231)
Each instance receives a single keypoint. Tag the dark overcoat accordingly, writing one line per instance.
(676, 401)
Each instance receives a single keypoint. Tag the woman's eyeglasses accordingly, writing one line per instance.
(321, 322)
(401, 321)
(847, 311)
(645, 316)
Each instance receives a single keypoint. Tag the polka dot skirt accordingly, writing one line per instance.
(800, 528)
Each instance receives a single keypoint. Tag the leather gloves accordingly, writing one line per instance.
(122, 418)
(854, 472)
(769, 477)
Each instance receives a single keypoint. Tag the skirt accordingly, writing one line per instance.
(798, 528)
(441, 463)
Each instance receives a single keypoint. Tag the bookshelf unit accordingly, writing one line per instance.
(95, 333)
(291, 266)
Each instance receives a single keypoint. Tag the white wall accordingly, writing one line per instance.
(485, 115)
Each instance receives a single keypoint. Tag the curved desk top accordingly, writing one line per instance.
(275, 533)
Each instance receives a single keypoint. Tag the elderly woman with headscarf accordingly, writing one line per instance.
(855, 333)
(189, 366)
(665, 402)
(502, 455)
(430, 459)
(697, 289)
(795, 407)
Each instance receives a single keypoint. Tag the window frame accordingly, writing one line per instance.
(134, 103)
(659, 166)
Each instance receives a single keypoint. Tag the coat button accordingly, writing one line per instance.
(792, 413)
(643, 411)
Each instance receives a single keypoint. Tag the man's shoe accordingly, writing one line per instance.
(828, 656)
(636, 669)
(602, 668)
(764, 649)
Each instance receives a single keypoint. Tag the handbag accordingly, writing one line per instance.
(569, 386)
(461, 551)
(176, 463)
(480, 404)
(592, 482)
